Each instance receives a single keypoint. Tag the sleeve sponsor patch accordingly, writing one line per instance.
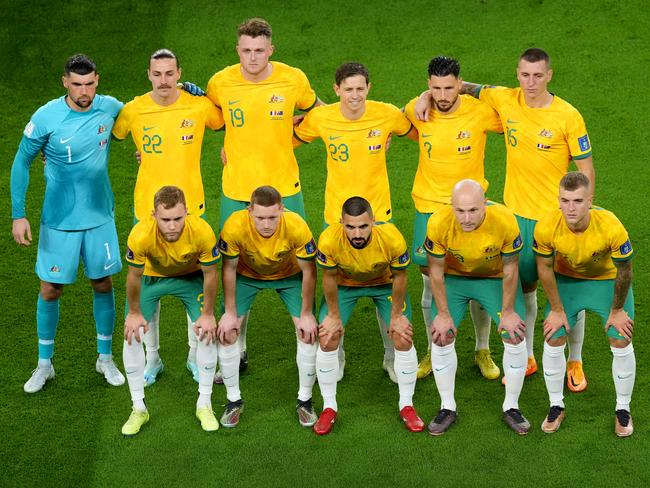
(129, 254)
(310, 247)
(404, 258)
(223, 245)
(215, 251)
(321, 257)
(29, 129)
(535, 245)
(626, 248)
(583, 142)
(428, 244)
(517, 242)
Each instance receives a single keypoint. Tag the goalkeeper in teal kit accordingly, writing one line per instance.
(77, 220)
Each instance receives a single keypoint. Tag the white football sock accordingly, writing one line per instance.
(389, 350)
(444, 363)
(133, 359)
(514, 369)
(206, 361)
(241, 340)
(482, 321)
(425, 303)
(341, 353)
(44, 363)
(554, 365)
(406, 368)
(152, 338)
(306, 361)
(229, 361)
(192, 340)
(530, 300)
(327, 371)
(624, 372)
(577, 337)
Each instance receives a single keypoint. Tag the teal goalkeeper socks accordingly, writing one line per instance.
(104, 313)
(47, 319)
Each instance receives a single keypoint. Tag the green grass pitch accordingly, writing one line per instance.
(69, 434)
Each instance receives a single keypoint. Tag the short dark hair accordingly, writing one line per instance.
(444, 66)
(535, 54)
(346, 70)
(355, 206)
(574, 180)
(266, 196)
(169, 197)
(79, 64)
(164, 54)
(255, 27)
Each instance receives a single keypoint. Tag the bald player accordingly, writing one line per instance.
(543, 134)
(473, 248)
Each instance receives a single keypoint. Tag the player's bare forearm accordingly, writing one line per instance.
(549, 283)
(510, 282)
(622, 283)
(437, 277)
(133, 288)
(229, 281)
(308, 269)
(586, 167)
(398, 292)
(331, 293)
(473, 89)
(210, 288)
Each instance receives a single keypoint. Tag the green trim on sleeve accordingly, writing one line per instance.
(516, 251)
(210, 263)
(226, 256)
(310, 258)
(134, 265)
(582, 156)
(544, 255)
(434, 254)
(324, 266)
(407, 132)
(622, 260)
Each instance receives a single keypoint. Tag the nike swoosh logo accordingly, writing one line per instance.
(509, 121)
(130, 371)
(440, 369)
(312, 374)
(333, 138)
(426, 135)
(228, 377)
(63, 141)
(325, 370)
(109, 266)
(232, 102)
(408, 372)
(624, 377)
(516, 367)
(148, 128)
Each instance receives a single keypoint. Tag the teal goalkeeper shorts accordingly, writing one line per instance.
(380, 295)
(594, 295)
(227, 206)
(527, 263)
(188, 288)
(486, 291)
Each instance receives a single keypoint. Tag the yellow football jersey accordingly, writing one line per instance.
(356, 154)
(588, 255)
(196, 247)
(452, 148)
(169, 139)
(370, 266)
(259, 127)
(478, 253)
(540, 143)
(267, 258)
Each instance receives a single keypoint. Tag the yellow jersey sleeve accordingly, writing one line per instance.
(435, 242)
(543, 236)
(327, 247)
(206, 242)
(231, 235)
(306, 95)
(303, 240)
(122, 125)
(136, 250)
(577, 137)
(213, 115)
(398, 256)
(307, 130)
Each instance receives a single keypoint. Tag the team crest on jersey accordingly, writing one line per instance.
(129, 254)
(583, 142)
(404, 258)
(464, 149)
(310, 247)
(223, 245)
(29, 128)
(517, 242)
(321, 257)
(101, 129)
(276, 98)
(543, 147)
(546, 133)
(464, 134)
(103, 142)
(187, 139)
(276, 114)
(187, 123)
(374, 133)
(626, 248)
(374, 148)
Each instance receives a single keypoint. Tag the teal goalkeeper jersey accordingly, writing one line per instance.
(78, 193)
